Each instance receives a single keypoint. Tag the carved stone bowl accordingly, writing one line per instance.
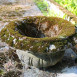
(45, 37)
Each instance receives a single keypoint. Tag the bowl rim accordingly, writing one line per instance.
(45, 38)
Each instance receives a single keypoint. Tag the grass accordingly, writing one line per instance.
(45, 9)
(43, 6)
(70, 5)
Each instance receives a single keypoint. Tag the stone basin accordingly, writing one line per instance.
(44, 38)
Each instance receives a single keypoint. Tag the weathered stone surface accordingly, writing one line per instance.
(37, 33)
(44, 36)
(39, 59)
(9, 62)
(12, 74)
(11, 10)
(33, 72)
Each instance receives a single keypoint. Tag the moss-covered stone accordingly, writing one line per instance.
(3, 59)
(12, 74)
(37, 33)
(1, 72)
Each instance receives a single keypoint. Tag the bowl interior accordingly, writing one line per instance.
(40, 27)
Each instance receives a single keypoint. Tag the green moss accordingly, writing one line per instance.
(12, 74)
(43, 6)
(61, 44)
(1, 72)
(3, 59)
(10, 41)
(26, 40)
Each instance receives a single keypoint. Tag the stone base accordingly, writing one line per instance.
(39, 59)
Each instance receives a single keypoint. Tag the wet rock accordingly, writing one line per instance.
(70, 54)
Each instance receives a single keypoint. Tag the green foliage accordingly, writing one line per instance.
(45, 9)
(71, 5)
(43, 6)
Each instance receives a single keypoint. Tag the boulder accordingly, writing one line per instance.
(70, 54)
(39, 59)
(44, 36)
(37, 33)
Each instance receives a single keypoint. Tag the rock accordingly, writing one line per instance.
(75, 40)
(35, 72)
(9, 60)
(70, 54)
(12, 55)
(3, 59)
(2, 25)
(39, 59)
(51, 47)
(70, 45)
(12, 74)
(75, 48)
(41, 36)
(4, 49)
(37, 37)
(9, 66)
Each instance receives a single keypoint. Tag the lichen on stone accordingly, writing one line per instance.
(12, 74)
(37, 33)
